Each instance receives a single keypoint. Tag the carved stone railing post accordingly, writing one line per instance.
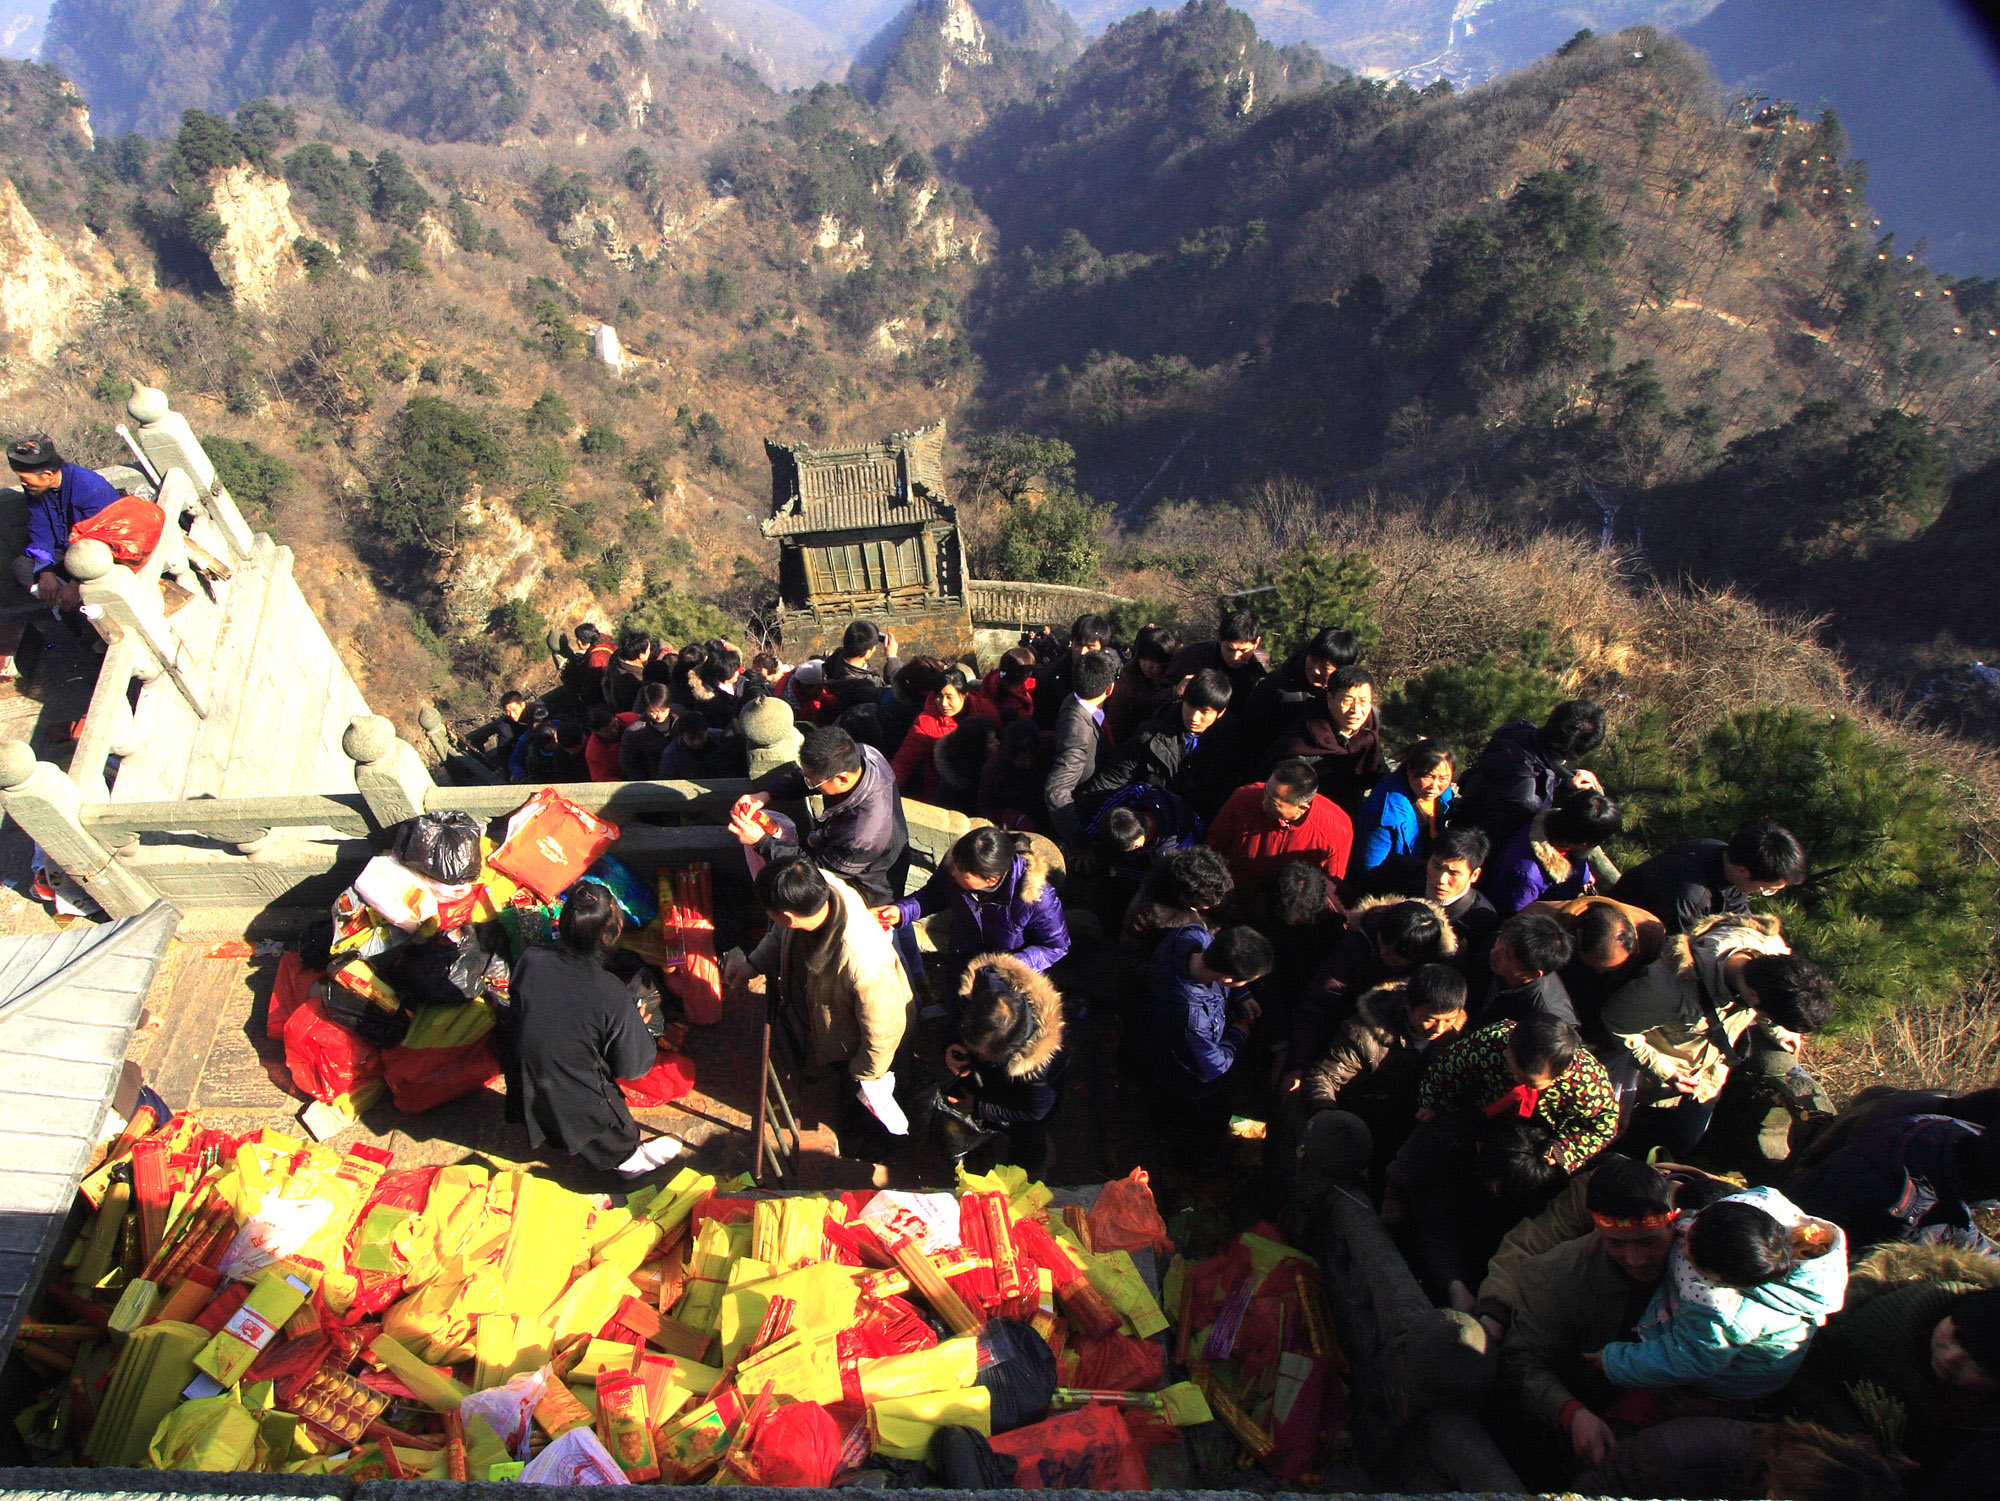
(168, 441)
(48, 806)
(130, 604)
(388, 771)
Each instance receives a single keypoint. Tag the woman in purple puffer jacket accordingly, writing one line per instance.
(996, 892)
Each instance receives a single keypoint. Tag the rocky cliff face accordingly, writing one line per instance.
(500, 560)
(255, 256)
(46, 292)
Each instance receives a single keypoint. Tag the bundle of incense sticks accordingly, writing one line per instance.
(959, 1316)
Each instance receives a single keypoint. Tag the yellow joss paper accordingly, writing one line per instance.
(795, 1367)
(902, 1426)
(947, 1366)
(696, 1377)
(433, 1322)
(589, 1302)
(825, 1293)
(673, 1203)
(1114, 1275)
(215, 1434)
(1025, 1199)
(544, 1243)
(145, 1385)
(438, 1392)
(504, 1346)
(600, 1356)
(1185, 1405)
(631, 1246)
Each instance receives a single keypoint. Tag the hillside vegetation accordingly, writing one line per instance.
(1585, 289)
(417, 407)
(450, 70)
(1557, 384)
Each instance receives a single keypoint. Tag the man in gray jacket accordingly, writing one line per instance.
(1080, 739)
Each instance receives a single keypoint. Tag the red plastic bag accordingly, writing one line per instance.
(326, 1060)
(1090, 1449)
(551, 844)
(1120, 1363)
(1125, 1218)
(421, 1079)
(688, 924)
(130, 526)
(670, 1077)
(796, 1445)
(294, 982)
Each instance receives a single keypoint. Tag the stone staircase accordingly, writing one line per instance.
(277, 697)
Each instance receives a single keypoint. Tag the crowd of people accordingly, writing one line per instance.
(1575, 1093)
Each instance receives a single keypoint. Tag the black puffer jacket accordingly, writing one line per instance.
(1515, 777)
(1026, 1085)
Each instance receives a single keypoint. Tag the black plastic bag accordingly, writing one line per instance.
(964, 1461)
(365, 1019)
(443, 846)
(936, 1112)
(448, 970)
(1018, 1369)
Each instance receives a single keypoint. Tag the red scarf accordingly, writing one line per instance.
(1520, 1100)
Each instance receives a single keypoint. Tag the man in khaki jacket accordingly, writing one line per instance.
(1687, 1021)
(833, 964)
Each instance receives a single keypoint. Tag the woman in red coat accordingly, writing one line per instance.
(914, 769)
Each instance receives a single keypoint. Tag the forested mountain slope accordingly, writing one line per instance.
(451, 70)
(1584, 283)
(391, 345)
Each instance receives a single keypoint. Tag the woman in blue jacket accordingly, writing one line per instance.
(1407, 808)
(996, 892)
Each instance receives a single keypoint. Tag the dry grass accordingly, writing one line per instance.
(1954, 1046)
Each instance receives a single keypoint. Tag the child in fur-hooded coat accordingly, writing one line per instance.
(1010, 1057)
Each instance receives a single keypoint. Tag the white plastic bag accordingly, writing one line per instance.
(577, 1458)
(931, 1220)
(509, 1410)
(276, 1230)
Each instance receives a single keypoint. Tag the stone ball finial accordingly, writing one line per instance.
(87, 560)
(17, 762)
(428, 718)
(368, 739)
(148, 404)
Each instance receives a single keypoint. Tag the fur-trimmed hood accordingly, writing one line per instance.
(1897, 1264)
(1382, 1011)
(1551, 859)
(1358, 916)
(1044, 1001)
(1680, 952)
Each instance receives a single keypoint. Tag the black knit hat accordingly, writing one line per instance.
(33, 454)
(1976, 1321)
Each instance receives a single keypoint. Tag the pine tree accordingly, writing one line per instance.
(1312, 589)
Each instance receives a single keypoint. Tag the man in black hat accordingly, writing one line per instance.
(59, 496)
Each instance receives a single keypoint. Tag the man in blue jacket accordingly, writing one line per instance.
(1192, 1038)
(59, 496)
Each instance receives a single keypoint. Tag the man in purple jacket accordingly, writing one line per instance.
(59, 496)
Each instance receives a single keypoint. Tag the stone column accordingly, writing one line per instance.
(47, 804)
(132, 606)
(388, 772)
(166, 439)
